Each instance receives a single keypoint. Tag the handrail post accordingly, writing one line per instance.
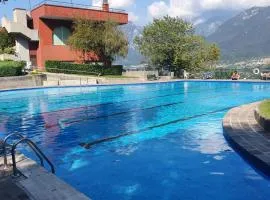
(15, 171)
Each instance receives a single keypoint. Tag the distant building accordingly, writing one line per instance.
(41, 33)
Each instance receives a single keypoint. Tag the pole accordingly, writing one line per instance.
(29, 2)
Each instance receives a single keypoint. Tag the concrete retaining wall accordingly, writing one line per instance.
(68, 80)
(51, 79)
(140, 74)
(57, 77)
(21, 81)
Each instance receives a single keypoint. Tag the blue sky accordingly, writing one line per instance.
(143, 11)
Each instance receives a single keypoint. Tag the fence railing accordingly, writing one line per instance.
(75, 5)
(245, 73)
(69, 71)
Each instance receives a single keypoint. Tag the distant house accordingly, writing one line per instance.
(41, 33)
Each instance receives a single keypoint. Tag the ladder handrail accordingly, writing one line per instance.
(5, 145)
(34, 147)
(20, 136)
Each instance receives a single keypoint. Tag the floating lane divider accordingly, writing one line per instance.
(190, 91)
(107, 139)
(95, 105)
(85, 93)
(65, 123)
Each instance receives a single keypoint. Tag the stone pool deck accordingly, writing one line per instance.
(35, 183)
(246, 135)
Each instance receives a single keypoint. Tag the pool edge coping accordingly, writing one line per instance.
(247, 137)
(136, 83)
(54, 187)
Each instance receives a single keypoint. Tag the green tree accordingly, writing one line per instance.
(171, 42)
(7, 41)
(213, 55)
(106, 40)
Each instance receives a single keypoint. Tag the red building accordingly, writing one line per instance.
(41, 34)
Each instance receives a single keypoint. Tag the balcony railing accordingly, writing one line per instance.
(75, 5)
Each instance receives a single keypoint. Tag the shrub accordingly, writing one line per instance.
(9, 50)
(11, 68)
(89, 69)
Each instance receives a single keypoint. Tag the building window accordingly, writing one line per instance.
(60, 35)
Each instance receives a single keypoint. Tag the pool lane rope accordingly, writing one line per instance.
(107, 139)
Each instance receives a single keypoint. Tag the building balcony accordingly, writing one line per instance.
(19, 25)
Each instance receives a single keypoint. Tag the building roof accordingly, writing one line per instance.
(69, 11)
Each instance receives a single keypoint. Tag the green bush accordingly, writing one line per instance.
(88, 69)
(11, 68)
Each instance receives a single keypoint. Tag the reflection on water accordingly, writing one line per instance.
(176, 151)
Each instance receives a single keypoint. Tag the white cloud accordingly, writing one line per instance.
(132, 17)
(158, 9)
(193, 8)
(198, 21)
(232, 4)
(182, 8)
(114, 3)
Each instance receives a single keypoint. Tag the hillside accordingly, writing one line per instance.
(246, 35)
(134, 57)
(212, 20)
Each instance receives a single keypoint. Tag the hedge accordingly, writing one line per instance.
(11, 68)
(89, 69)
(224, 74)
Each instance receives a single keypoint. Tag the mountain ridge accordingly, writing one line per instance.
(245, 35)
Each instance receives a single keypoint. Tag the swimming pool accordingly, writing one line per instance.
(145, 141)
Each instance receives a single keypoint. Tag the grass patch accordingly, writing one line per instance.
(264, 109)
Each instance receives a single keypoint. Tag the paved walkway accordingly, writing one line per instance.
(245, 134)
(35, 184)
(9, 190)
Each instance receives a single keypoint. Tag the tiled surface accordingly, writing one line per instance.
(243, 131)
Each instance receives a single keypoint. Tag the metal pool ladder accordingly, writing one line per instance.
(31, 144)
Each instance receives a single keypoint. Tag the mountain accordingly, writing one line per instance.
(208, 27)
(210, 21)
(247, 35)
(134, 57)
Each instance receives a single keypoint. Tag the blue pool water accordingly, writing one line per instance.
(154, 141)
